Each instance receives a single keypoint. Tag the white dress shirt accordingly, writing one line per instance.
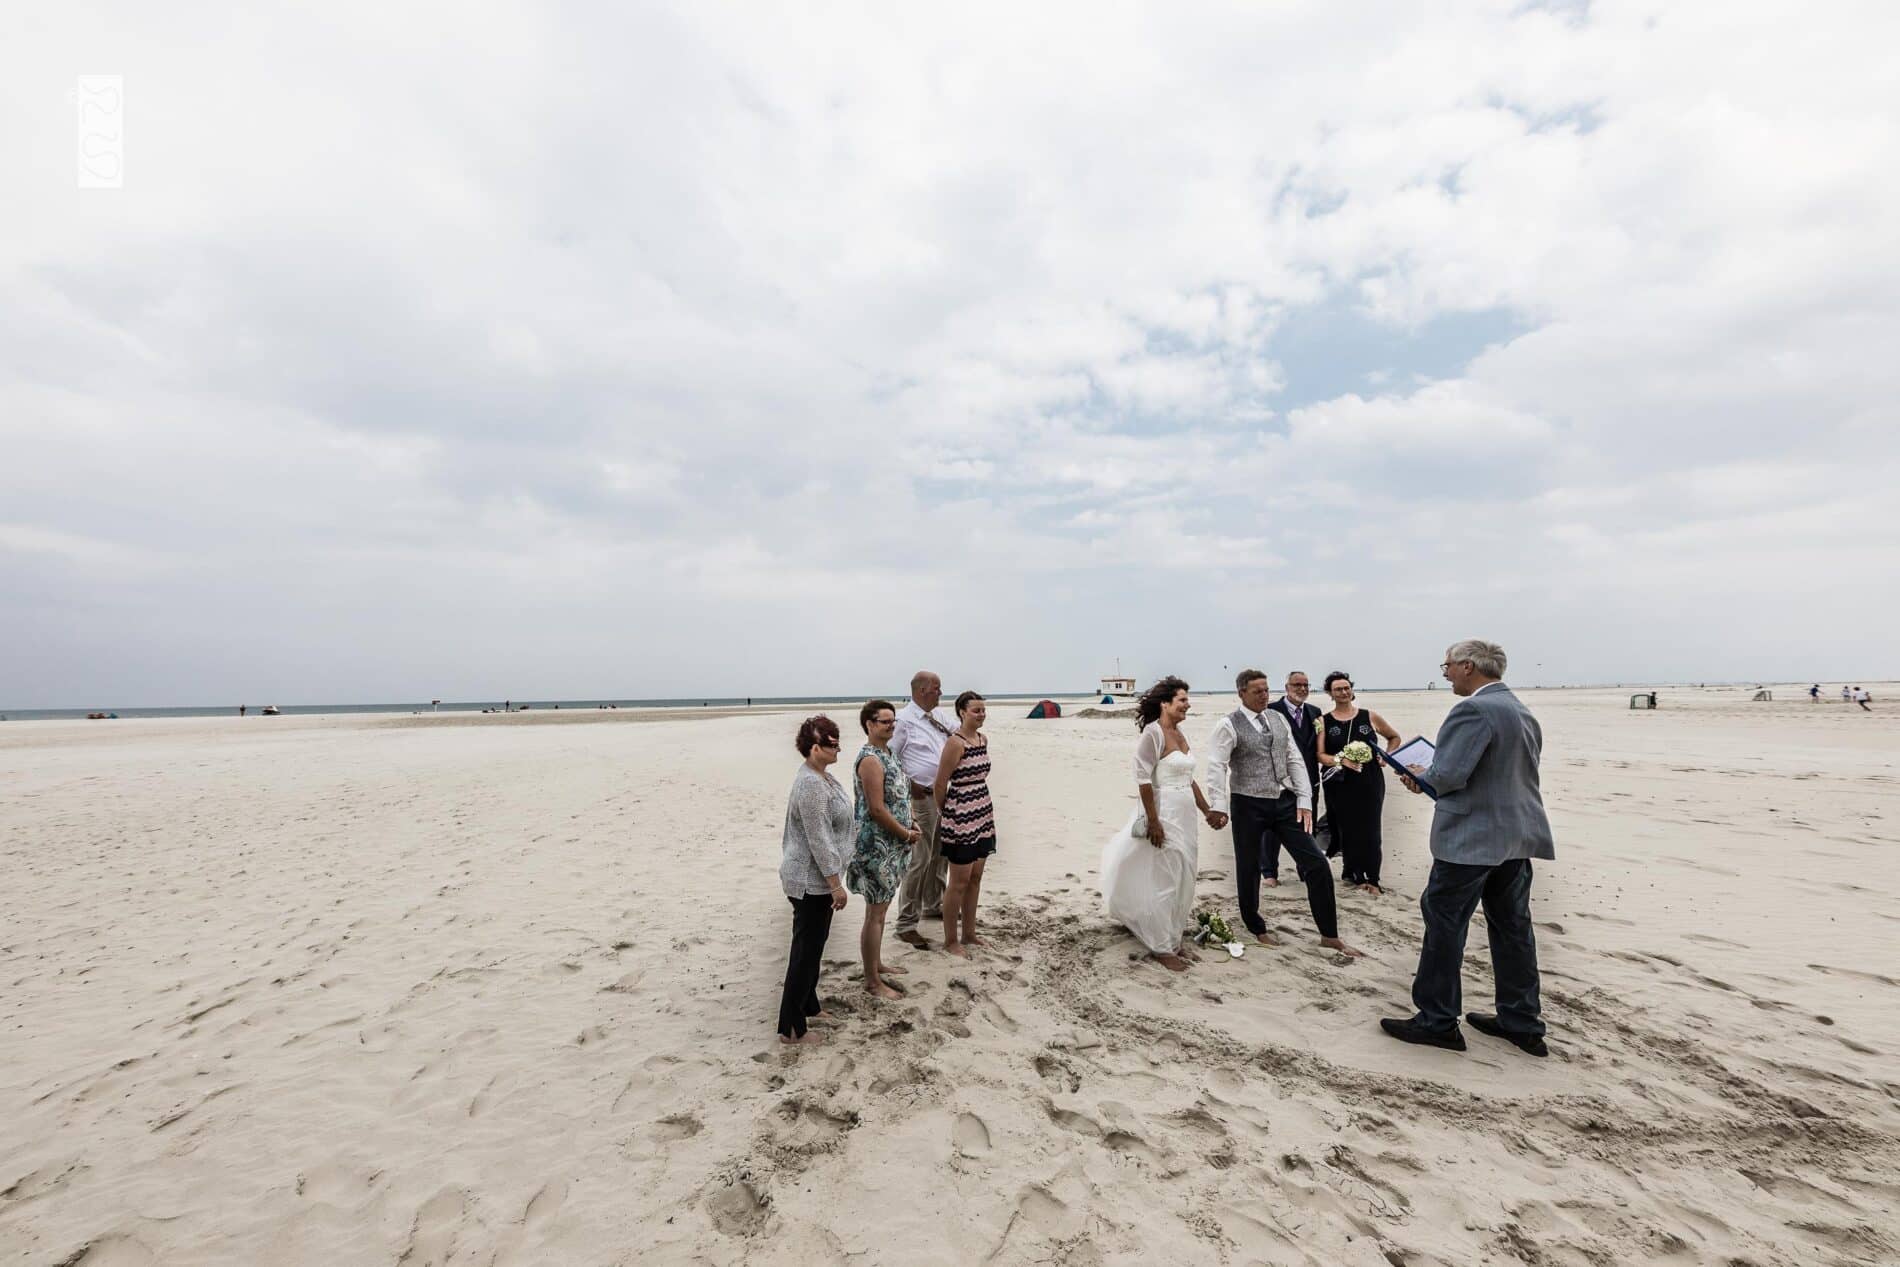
(917, 743)
(1220, 756)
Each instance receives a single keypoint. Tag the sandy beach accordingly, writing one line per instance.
(500, 989)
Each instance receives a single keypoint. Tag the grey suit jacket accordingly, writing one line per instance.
(1485, 773)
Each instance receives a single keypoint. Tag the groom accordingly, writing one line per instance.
(1272, 802)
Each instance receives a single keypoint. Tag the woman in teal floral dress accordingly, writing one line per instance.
(884, 837)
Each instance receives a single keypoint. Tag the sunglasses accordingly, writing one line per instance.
(827, 743)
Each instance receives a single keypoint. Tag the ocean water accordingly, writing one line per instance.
(476, 706)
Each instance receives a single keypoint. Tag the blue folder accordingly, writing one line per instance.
(1423, 785)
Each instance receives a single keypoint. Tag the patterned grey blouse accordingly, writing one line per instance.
(817, 834)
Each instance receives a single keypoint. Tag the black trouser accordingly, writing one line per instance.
(1259, 825)
(1451, 895)
(1322, 832)
(1355, 804)
(811, 924)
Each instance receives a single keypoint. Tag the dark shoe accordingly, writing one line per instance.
(912, 937)
(1529, 1044)
(1410, 1031)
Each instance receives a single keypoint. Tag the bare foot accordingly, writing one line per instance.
(1265, 939)
(1173, 963)
(811, 1038)
(895, 985)
(971, 939)
(1189, 953)
(891, 970)
(1271, 881)
(883, 990)
(1373, 889)
(1333, 943)
(822, 1018)
(955, 948)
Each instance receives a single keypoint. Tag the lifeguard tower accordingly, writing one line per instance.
(1116, 685)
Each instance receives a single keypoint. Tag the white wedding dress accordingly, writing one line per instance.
(1150, 890)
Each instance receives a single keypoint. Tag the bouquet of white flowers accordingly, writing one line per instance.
(1359, 752)
(1212, 928)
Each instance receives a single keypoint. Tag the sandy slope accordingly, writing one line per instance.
(363, 990)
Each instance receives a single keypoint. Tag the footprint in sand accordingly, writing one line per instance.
(433, 1232)
(1054, 1071)
(1069, 1119)
(674, 1127)
(739, 1209)
(970, 1136)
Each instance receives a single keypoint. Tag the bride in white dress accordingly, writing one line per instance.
(1148, 878)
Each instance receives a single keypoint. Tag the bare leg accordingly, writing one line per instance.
(973, 889)
(871, 948)
(953, 898)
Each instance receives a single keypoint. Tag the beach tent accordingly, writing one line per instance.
(1046, 708)
(1108, 699)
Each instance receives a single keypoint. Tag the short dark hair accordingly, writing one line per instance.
(1245, 676)
(965, 700)
(1337, 675)
(816, 730)
(871, 709)
(1162, 692)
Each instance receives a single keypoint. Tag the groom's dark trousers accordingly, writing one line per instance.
(1259, 825)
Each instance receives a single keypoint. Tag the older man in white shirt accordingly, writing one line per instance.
(917, 743)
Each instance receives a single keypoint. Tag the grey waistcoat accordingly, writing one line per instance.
(1262, 764)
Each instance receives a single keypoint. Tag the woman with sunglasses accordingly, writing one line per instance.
(817, 843)
(885, 834)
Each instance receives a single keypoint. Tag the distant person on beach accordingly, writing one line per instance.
(1861, 697)
(966, 826)
(1355, 794)
(885, 837)
(1254, 767)
(816, 847)
(1488, 824)
(1302, 719)
(1814, 693)
(918, 742)
(241, 708)
(1148, 867)
(1847, 694)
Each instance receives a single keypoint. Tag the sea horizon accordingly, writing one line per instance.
(128, 712)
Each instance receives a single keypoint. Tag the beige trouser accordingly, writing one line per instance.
(922, 893)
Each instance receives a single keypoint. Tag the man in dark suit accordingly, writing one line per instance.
(1487, 826)
(1303, 719)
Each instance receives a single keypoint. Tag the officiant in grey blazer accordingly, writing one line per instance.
(1488, 824)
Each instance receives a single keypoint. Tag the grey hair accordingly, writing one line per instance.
(1486, 657)
(921, 676)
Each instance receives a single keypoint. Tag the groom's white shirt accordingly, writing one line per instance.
(1220, 758)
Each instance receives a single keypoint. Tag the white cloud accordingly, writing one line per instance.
(561, 341)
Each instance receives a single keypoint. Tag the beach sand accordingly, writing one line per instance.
(496, 990)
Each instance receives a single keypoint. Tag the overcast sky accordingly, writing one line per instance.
(569, 350)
